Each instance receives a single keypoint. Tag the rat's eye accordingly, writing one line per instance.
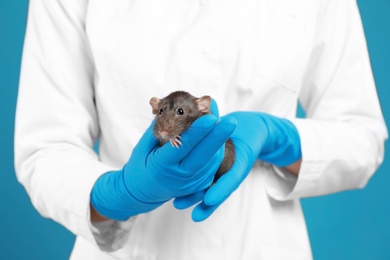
(160, 111)
(180, 112)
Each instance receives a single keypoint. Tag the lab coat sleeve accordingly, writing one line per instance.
(56, 119)
(342, 138)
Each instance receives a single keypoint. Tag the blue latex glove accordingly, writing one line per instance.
(257, 136)
(154, 175)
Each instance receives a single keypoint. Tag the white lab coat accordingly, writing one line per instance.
(90, 67)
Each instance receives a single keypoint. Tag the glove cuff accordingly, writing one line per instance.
(111, 199)
(283, 146)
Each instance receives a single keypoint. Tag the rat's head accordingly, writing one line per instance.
(175, 113)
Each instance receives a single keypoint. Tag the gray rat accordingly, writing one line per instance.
(174, 115)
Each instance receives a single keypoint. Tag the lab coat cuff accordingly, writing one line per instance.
(83, 227)
(108, 235)
(283, 185)
(111, 235)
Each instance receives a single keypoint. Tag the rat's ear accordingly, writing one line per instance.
(203, 104)
(154, 103)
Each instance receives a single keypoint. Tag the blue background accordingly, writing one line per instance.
(347, 225)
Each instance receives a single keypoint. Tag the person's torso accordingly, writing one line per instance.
(247, 55)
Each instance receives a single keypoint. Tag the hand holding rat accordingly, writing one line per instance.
(257, 136)
(154, 175)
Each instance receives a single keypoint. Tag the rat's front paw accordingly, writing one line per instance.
(176, 141)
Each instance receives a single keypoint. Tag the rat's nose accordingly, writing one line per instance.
(164, 133)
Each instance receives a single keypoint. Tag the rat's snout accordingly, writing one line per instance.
(164, 133)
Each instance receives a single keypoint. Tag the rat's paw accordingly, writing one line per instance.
(176, 141)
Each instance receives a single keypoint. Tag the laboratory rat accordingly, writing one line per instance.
(174, 115)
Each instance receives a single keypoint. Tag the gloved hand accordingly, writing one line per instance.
(257, 136)
(154, 175)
